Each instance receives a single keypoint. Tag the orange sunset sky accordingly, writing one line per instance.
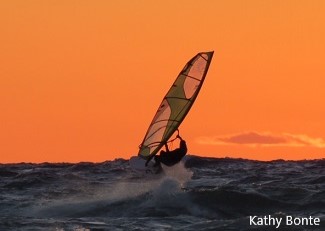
(81, 80)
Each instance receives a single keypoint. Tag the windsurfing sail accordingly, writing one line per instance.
(176, 104)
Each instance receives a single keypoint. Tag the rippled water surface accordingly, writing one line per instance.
(198, 194)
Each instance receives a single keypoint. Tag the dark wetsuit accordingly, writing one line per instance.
(171, 158)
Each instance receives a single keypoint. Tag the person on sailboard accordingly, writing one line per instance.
(170, 158)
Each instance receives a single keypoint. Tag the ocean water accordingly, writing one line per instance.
(197, 194)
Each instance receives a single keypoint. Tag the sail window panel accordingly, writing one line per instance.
(158, 125)
(197, 69)
(163, 112)
(156, 133)
(190, 87)
(194, 77)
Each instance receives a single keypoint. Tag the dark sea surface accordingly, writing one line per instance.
(197, 194)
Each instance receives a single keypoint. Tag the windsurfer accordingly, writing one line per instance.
(171, 158)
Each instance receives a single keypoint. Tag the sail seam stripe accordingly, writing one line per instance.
(165, 120)
(175, 97)
(203, 57)
(192, 77)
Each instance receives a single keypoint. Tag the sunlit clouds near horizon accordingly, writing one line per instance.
(263, 139)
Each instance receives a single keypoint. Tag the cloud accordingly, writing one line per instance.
(263, 139)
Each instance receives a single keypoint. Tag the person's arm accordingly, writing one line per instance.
(179, 137)
(166, 147)
(182, 144)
